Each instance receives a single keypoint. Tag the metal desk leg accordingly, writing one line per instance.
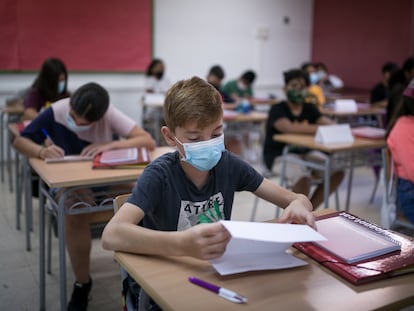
(62, 253)
(41, 247)
(283, 171)
(351, 175)
(2, 145)
(28, 200)
(327, 181)
(9, 169)
(19, 189)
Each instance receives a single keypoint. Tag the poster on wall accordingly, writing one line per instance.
(88, 35)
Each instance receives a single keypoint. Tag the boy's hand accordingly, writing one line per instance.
(93, 149)
(206, 241)
(299, 211)
(52, 151)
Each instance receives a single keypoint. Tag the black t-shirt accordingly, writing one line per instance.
(272, 149)
(379, 92)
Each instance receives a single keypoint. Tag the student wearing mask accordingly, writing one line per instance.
(83, 124)
(215, 77)
(316, 94)
(50, 85)
(155, 81)
(242, 88)
(296, 116)
(198, 182)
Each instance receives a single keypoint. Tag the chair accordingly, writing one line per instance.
(270, 174)
(144, 301)
(390, 214)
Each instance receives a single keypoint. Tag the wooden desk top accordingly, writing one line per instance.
(308, 141)
(311, 287)
(15, 109)
(252, 116)
(362, 111)
(69, 174)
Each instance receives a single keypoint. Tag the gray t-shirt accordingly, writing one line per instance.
(171, 202)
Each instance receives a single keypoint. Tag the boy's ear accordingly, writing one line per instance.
(168, 136)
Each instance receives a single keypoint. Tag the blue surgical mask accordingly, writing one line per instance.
(203, 155)
(61, 86)
(313, 77)
(73, 126)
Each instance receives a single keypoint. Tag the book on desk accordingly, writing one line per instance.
(122, 158)
(360, 251)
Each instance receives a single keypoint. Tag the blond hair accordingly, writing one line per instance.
(192, 100)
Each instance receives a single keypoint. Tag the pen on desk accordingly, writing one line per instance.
(222, 292)
(47, 136)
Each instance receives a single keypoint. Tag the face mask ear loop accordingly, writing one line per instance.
(182, 145)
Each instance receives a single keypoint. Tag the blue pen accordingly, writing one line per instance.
(47, 136)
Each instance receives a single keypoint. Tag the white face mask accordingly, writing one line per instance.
(321, 74)
(203, 155)
(241, 86)
(61, 86)
(72, 125)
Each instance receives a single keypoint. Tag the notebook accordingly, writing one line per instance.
(362, 271)
(368, 132)
(352, 240)
(123, 158)
(119, 156)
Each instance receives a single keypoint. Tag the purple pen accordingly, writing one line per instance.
(221, 291)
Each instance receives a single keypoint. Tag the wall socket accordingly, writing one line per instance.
(262, 32)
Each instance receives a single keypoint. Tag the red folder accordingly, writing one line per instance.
(386, 266)
(142, 160)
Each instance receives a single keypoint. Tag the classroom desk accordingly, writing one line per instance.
(72, 176)
(14, 132)
(7, 113)
(364, 110)
(308, 141)
(311, 287)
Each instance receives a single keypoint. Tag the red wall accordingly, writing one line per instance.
(354, 38)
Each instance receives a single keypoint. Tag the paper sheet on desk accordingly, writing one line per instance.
(262, 246)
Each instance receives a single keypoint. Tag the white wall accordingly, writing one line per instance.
(193, 35)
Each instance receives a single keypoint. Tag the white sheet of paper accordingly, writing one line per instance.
(335, 134)
(345, 105)
(262, 246)
(154, 99)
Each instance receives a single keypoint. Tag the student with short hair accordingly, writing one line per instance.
(50, 85)
(82, 124)
(241, 87)
(197, 183)
(155, 80)
(296, 116)
(379, 93)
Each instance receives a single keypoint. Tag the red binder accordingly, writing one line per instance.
(143, 159)
(385, 266)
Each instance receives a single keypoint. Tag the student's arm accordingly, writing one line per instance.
(204, 241)
(284, 125)
(137, 137)
(324, 121)
(29, 114)
(297, 207)
(34, 150)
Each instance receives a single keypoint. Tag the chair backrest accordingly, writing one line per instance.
(119, 200)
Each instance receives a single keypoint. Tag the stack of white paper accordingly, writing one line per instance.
(262, 246)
